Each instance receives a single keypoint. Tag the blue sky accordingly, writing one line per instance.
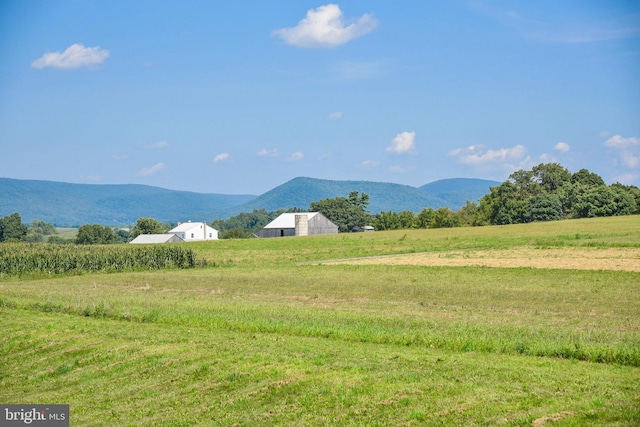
(239, 97)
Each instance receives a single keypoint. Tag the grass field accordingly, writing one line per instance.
(326, 330)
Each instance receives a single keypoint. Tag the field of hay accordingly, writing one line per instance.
(535, 324)
(618, 259)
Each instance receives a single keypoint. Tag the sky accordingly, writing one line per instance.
(240, 97)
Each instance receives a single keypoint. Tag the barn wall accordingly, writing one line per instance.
(276, 232)
(319, 224)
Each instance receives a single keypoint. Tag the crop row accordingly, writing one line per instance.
(17, 259)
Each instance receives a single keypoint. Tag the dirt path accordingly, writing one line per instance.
(624, 259)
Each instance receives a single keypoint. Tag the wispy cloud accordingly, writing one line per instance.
(358, 70)
(119, 157)
(294, 157)
(403, 142)
(334, 116)
(369, 164)
(618, 141)
(627, 149)
(326, 27)
(267, 153)
(222, 157)
(563, 147)
(156, 145)
(75, 56)
(476, 155)
(152, 170)
(561, 27)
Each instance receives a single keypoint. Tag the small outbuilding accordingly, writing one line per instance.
(150, 239)
(194, 231)
(298, 224)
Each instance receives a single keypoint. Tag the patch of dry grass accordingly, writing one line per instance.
(574, 258)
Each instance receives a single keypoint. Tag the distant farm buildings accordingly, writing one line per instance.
(185, 232)
(194, 231)
(298, 224)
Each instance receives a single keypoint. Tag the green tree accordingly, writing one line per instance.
(605, 201)
(147, 226)
(248, 222)
(41, 227)
(12, 228)
(546, 207)
(505, 204)
(444, 218)
(551, 176)
(386, 220)
(469, 215)
(236, 233)
(425, 218)
(589, 179)
(95, 234)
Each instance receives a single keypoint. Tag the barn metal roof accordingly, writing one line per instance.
(156, 238)
(288, 220)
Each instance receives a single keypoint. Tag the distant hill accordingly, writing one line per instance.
(65, 204)
(300, 192)
(457, 191)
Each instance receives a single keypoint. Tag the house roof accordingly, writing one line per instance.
(288, 220)
(156, 238)
(187, 226)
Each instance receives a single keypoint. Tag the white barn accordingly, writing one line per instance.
(298, 224)
(194, 231)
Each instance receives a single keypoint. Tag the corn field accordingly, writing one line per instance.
(17, 259)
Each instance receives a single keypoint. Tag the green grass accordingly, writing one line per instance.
(262, 340)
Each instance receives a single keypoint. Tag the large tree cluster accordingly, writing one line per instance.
(550, 192)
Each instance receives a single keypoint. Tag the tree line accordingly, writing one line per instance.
(547, 192)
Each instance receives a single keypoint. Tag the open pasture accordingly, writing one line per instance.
(272, 333)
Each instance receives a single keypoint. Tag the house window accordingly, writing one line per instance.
(209, 234)
(192, 235)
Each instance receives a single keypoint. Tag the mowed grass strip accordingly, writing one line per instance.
(579, 315)
(119, 373)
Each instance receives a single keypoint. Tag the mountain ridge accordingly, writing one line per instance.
(68, 204)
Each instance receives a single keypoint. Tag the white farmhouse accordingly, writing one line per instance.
(194, 231)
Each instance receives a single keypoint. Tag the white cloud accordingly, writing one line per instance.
(156, 145)
(628, 150)
(298, 155)
(369, 164)
(630, 160)
(334, 116)
(475, 155)
(617, 141)
(325, 27)
(627, 179)
(75, 56)
(119, 157)
(152, 170)
(403, 142)
(222, 157)
(267, 153)
(562, 147)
